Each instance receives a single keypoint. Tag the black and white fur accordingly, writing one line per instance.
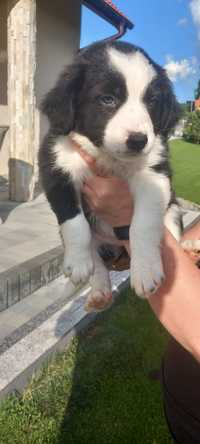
(120, 107)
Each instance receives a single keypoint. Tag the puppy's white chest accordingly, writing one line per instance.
(69, 161)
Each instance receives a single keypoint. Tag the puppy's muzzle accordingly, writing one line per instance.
(136, 142)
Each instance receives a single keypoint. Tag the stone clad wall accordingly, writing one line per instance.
(21, 96)
(3, 53)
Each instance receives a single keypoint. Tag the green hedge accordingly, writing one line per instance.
(192, 128)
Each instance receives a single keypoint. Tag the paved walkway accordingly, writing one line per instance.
(29, 229)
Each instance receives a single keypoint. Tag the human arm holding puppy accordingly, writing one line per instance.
(177, 302)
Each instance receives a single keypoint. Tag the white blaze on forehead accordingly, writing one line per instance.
(135, 68)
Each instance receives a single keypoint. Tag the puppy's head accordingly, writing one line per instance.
(115, 96)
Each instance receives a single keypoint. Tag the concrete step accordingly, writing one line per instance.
(19, 282)
(41, 324)
(22, 317)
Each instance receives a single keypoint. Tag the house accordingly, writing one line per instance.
(179, 129)
(197, 104)
(37, 38)
(190, 105)
(193, 105)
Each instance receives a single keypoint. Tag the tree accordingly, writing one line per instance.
(191, 131)
(197, 91)
(185, 108)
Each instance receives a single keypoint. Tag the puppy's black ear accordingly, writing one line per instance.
(59, 104)
(170, 111)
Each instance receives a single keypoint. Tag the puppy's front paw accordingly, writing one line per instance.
(78, 266)
(147, 272)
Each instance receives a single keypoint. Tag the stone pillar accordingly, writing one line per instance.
(3, 53)
(21, 97)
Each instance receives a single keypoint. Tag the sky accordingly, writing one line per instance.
(169, 30)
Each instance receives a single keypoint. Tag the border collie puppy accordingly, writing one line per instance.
(117, 104)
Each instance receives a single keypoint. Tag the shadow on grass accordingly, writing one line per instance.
(112, 398)
(98, 391)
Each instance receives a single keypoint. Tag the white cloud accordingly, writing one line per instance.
(180, 69)
(182, 22)
(195, 10)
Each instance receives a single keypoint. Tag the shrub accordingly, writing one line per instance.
(191, 131)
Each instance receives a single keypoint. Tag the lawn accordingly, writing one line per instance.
(99, 392)
(185, 159)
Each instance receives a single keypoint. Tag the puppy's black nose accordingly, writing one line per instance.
(136, 142)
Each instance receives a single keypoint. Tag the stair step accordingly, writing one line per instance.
(21, 318)
(24, 279)
(24, 349)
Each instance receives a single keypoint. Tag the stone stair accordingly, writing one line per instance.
(41, 324)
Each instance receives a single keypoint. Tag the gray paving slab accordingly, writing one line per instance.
(30, 231)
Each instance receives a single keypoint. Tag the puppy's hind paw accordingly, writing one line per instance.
(99, 301)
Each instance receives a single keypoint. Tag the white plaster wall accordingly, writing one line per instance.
(58, 38)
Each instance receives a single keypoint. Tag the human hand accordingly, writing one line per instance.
(110, 198)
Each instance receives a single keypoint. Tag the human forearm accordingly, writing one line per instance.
(177, 303)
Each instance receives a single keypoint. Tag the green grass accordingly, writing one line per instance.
(99, 392)
(186, 167)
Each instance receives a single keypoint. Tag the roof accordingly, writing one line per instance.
(109, 12)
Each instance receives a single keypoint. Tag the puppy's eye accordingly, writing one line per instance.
(108, 101)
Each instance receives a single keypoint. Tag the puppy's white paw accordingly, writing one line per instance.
(78, 266)
(147, 272)
(98, 301)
